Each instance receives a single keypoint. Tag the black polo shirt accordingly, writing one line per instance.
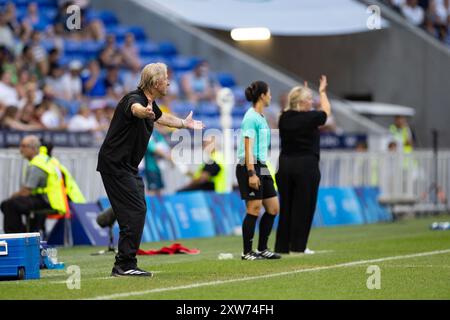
(127, 138)
(299, 132)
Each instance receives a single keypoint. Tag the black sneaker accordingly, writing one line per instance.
(251, 256)
(267, 254)
(134, 272)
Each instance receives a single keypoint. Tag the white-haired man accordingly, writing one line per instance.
(122, 151)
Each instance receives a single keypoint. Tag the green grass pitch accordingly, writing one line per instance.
(337, 271)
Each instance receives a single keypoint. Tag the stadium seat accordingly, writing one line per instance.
(145, 59)
(40, 3)
(72, 47)
(167, 48)
(120, 31)
(183, 63)
(211, 122)
(47, 44)
(91, 49)
(65, 59)
(239, 96)
(108, 18)
(226, 79)
(238, 111)
(148, 48)
(49, 14)
(236, 124)
(208, 109)
(181, 108)
(139, 33)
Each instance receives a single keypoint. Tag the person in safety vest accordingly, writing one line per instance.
(42, 188)
(72, 190)
(402, 134)
(210, 176)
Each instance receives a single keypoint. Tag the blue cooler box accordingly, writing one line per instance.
(19, 256)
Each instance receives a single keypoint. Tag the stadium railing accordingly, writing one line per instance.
(398, 176)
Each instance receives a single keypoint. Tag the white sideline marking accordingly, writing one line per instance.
(279, 274)
(98, 278)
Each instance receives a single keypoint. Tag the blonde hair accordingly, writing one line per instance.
(296, 96)
(150, 74)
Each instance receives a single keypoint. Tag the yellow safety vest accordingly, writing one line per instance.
(72, 189)
(219, 180)
(55, 185)
(402, 135)
(272, 173)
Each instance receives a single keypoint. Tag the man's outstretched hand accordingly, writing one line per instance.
(193, 124)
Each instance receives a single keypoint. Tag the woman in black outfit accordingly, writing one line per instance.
(298, 175)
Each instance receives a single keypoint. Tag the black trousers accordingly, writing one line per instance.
(298, 179)
(14, 208)
(127, 196)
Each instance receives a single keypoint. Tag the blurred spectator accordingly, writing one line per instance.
(55, 85)
(54, 56)
(440, 10)
(173, 93)
(33, 18)
(52, 118)
(110, 55)
(157, 149)
(402, 134)
(199, 85)
(23, 39)
(27, 62)
(93, 82)
(6, 34)
(130, 52)
(99, 108)
(83, 121)
(8, 93)
(113, 84)
(31, 116)
(11, 18)
(73, 86)
(413, 12)
(132, 77)
(432, 15)
(39, 53)
(392, 146)
(440, 17)
(10, 120)
(361, 146)
(8, 64)
(33, 95)
(109, 111)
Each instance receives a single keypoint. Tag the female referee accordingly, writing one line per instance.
(298, 174)
(255, 182)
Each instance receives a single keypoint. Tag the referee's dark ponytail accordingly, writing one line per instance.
(255, 90)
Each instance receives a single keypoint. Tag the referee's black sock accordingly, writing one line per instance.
(265, 228)
(248, 231)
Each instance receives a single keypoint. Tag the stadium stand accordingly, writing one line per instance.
(431, 15)
(53, 78)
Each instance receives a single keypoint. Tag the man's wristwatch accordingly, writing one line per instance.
(251, 173)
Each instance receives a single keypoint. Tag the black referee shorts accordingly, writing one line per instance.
(266, 189)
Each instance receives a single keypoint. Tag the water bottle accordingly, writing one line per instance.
(440, 226)
(225, 256)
